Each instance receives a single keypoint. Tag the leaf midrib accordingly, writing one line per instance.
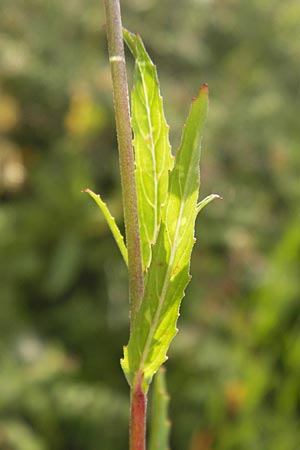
(152, 148)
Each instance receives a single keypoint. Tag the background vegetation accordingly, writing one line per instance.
(234, 368)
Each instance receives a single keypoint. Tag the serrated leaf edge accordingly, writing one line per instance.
(131, 40)
(167, 278)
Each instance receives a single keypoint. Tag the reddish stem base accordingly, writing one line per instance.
(138, 409)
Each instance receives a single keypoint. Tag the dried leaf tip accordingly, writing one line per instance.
(203, 90)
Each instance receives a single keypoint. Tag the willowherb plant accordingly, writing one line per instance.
(165, 191)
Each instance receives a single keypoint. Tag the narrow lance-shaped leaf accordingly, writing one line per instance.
(160, 423)
(152, 149)
(111, 223)
(207, 200)
(168, 276)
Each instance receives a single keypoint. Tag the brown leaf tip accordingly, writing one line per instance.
(202, 90)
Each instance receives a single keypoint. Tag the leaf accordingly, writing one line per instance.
(168, 276)
(111, 223)
(152, 149)
(160, 424)
(207, 200)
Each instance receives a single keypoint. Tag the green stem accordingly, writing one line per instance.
(127, 170)
(126, 157)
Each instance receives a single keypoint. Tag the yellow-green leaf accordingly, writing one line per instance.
(153, 158)
(111, 223)
(207, 200)
(168, 275)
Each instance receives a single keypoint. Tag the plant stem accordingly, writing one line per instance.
(138, 410)
(126, 157)
(127, 170)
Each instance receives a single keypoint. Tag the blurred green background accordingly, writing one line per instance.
(234, 368)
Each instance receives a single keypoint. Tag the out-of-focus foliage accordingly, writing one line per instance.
(233, 372)
(160, 423)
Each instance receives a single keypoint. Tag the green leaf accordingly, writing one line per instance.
(168, 276)
(160, 424)
(111, 223)
(207, 200)
(152, 149)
